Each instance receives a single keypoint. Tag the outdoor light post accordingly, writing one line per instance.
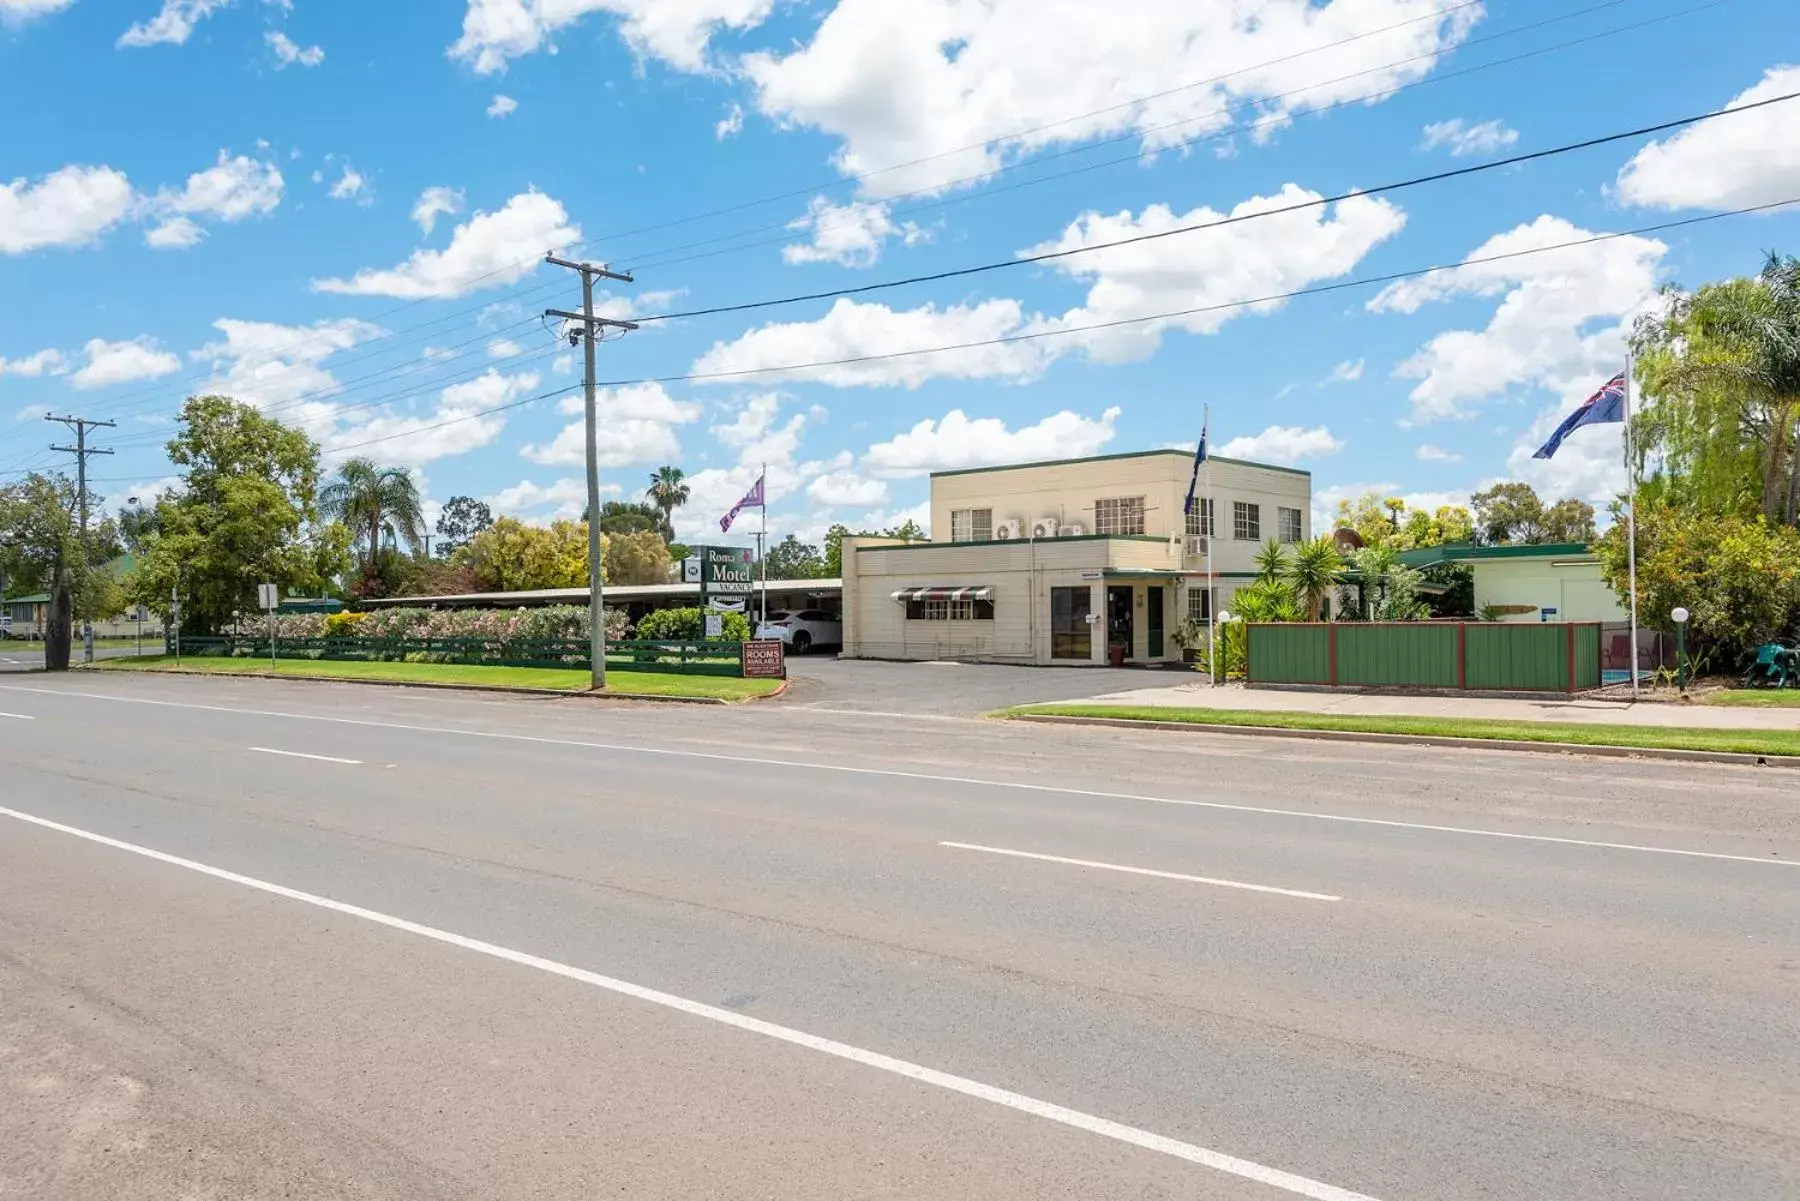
(1224, 618)
(1681, 617)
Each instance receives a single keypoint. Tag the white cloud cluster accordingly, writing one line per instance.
(962, 441)
(489, 250)
(17, 12)
(950, 81)
(111, 363)
(731, 124)
(232, 189)
(1543, 332)
(173, 25)
(264, 364)
(1730, 162)
(502, 107)
(434, 202)
(495, 32)
(563, 498)
(1462, 138)
(850, 235)
(1435, 454)
(636, 425)
(289, 53)
(1346, 372)
(846, 489)
(32, 366)
(458, 423)
(72, 206)
(1284, 445)
(352, 185)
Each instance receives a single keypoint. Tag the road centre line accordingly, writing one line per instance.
(928, 777)
(18, 716)
(1143, 871)
(303, 755)
(1049, 1111)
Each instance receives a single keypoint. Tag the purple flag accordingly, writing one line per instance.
(753, 499)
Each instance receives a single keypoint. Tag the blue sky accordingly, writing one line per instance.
(333, 210)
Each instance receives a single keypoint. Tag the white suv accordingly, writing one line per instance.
(803, 629)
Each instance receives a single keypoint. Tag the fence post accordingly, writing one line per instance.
(1462, 656)
(1569, 628)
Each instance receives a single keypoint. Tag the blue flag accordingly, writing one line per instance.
(1194, 484)
(1606, 405)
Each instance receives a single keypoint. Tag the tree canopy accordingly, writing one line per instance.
(1389, 521)
(510, 556)
(1513, 514)
(462, 518)
(640, 558)
(792, 559)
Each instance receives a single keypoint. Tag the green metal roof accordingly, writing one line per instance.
(42, 598)
(1463, 552)
(1129, 454)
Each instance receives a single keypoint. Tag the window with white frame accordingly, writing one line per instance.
(1200, 521)
(971, 525)
(1119, 515)
(1246, 521)
(1199, 604)
(1290, 523)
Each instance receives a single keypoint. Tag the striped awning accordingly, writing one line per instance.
(969, 592)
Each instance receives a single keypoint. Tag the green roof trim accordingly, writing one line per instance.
(42, 598)
(1018, 541)
(1128, 454)
(1463, 552)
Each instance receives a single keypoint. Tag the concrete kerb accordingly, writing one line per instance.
(508, 689)
(1739, 758)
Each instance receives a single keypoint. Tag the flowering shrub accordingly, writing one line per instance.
(496, 627)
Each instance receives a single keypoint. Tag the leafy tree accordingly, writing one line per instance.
(1738, 577)
(1271, 562)
(909, 530)
(510, 556)
(379, 504)
(689, 625)
(246, 515)
(628, 517)
(640, 558)
(668, 491)
(1266, 600)
(1388, 521)
(137, 526)
(463, 517)
(792, 559)
(1385, 591)
(1513, 513)
(41, 548)
(1315, 568)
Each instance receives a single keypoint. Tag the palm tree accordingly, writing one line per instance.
(668, 492)
(1313, 572)
(1271, 562)
(375, 502)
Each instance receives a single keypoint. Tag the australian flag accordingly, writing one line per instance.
(1608, 404)
(1194, 483)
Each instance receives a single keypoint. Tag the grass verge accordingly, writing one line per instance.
(1757, 698)
(1747, 742)
(643, 683)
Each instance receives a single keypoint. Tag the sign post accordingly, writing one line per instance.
(270, 597)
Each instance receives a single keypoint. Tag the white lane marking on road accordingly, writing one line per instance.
(267, 750)
(895, 773)
(18, 716)
(1143, 871)
(1231, 1164)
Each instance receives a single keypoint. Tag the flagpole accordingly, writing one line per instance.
(1631, 525)
(762, 541)
(1207, 523)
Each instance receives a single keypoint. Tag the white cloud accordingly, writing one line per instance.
(264, 364)
(1462, 138)
(437, 354)
(504, 348)
(564, 498)
(111, 363)
(636, 425)
(174, 233)
(1436, 454)
(731, 124)
(677, 31)
(288, 52)
(961, 441)
(1730, 162)
(1262, 257)
(502, 106)
(71, 206)
(147, 493)
(563, 364)
(850, 235)
(173, 25)
(17, 12)
(489, 250)
(1544, 331)
(751, 422)
(896, 83)
(457, 425)
(1346, 372)
(351, 185)
(845, 488)
(231, 189)
(1283, 444)
(33, 366)
(432, 203)
(851, 330)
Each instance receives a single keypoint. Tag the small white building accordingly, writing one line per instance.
(1531, 583)
(1078, 561)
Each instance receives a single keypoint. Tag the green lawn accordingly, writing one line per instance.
(1757, 698)
(651, 683)
(1753, 742)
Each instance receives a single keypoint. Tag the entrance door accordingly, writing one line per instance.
(1153, 597)
(1118, 620)
(1071, 634)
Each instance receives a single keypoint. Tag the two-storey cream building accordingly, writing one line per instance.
(1080, 561)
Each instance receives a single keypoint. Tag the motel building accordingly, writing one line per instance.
(1074, 562)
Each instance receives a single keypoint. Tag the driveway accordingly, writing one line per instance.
(954, 689)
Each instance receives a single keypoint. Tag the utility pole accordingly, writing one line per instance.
(81, 450)
(589, 334)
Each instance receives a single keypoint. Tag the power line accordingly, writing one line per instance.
(1234, 219)
(659, 258)
(1065, 331)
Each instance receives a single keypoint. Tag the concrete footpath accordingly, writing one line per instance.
(1201, 695)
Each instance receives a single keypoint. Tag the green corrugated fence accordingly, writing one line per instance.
(1478, 656)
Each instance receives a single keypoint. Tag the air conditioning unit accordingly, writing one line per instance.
(1009, 531)
(1044, 527)
(1196, 544)
(1071, 531)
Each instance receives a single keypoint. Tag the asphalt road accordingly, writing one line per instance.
(953, 689)
(482, 948)
(17, 654)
